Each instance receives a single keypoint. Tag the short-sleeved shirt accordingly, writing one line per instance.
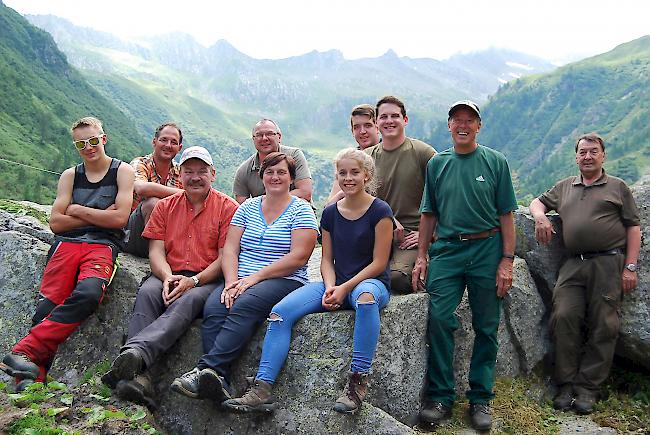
(468, 192)
(353, 241)
(145, 170)
(247, 178)
(261, 244)
(400, 178)
(595, 217)
(192, 243)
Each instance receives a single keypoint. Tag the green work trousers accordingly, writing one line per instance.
(454, 265)
(586, 319)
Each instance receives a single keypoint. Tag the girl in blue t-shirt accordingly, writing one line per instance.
(357, 234)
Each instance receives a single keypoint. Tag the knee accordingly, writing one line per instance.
(564, 316)
(366, 298)
(90, 292)
(147, 207)
(400, 282)
(149, 293)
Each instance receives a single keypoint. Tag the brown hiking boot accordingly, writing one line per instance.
(564, 398)
(137, 390)
(585, 401)
(258, 398)
(353, 394)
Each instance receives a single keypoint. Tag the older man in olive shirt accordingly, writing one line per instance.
(603, 237)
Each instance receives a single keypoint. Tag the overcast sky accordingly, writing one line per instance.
(557, 30)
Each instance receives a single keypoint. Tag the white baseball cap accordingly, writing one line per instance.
(196, 153)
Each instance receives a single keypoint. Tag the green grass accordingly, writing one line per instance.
(626, 406)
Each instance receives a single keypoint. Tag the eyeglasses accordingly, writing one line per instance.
(92, 141)
(261, 134)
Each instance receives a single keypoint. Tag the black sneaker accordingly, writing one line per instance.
(433, 413)
(480, 416)
(564, 398)
(187, 384)
(19, 366)
(127, 364)
(213, 386)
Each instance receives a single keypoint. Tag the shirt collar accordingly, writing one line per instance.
(601, 180)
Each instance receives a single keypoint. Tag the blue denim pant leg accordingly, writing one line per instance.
(366, 322)
(231, 329)
(293, 307)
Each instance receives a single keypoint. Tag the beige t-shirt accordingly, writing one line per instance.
(400, 176)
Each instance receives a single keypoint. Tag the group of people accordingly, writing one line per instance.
(400, 218)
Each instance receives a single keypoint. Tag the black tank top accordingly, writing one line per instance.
(99, 195)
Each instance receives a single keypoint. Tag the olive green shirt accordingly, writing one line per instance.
(596, 217)
(400, 178)
(468, 192)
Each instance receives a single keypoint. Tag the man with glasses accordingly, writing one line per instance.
(157, 176)
(601, 232)
(468, 202)
(92, 206)
(266, 138)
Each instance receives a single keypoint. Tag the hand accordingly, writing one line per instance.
(543, 230)
(410, 241)
(504, 277)
(333, 297)
(398, 232)
(174, 287)
(419, 274)
(73, 210)
(628, 280)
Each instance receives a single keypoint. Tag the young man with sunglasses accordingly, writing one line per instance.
(92, 206)
(157, 176)
(266, 138)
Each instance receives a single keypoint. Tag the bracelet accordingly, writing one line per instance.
(509, 256)
(196, 280)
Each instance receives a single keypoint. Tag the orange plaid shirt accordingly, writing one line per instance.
(191, 242)
(145, 170)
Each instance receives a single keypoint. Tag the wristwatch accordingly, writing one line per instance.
(631, 267)
(195, 278)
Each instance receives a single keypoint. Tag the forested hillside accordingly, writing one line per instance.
(40, 96)
(536, 120)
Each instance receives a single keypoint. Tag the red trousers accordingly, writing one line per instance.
(73, 285)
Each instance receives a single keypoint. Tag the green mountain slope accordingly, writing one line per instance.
(40, 96)
(536, 120)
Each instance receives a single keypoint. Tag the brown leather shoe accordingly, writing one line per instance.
(353, 394)
(258, 398)
(137, 390)
(585, 401)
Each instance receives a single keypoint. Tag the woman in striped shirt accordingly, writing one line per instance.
(269, 242)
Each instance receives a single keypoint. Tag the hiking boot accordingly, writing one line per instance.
(585, 401)
(138, 390)
(480, 416)
(433, 413)
(564, 398)
(23, 384)
(258, 398)
(187, 384)
(20, 366)
(127, 364)
(353, 394)
(213, 386)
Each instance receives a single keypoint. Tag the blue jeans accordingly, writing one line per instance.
(225, 332)
(307, 300)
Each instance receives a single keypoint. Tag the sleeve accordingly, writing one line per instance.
(157, 223)
(239, 185)
(506, 199)
(551, 198)
(142, 173)
(304, 217)
(426, 153)
(428, 204)
(629, 210)
(229, 209)
(302, 168)
(239, 217)
(382, 211)
(326, 218)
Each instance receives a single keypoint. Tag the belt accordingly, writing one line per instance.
(475, 236)
(588, 255)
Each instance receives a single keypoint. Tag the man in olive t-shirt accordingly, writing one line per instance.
(468, 200)
(401, 166)
(601, 232)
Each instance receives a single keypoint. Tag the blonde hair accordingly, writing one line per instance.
(88, 121)
(365, 162)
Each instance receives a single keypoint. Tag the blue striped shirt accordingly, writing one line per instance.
(262, 244)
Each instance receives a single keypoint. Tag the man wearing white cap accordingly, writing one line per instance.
(468, 201)
(187, 232)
